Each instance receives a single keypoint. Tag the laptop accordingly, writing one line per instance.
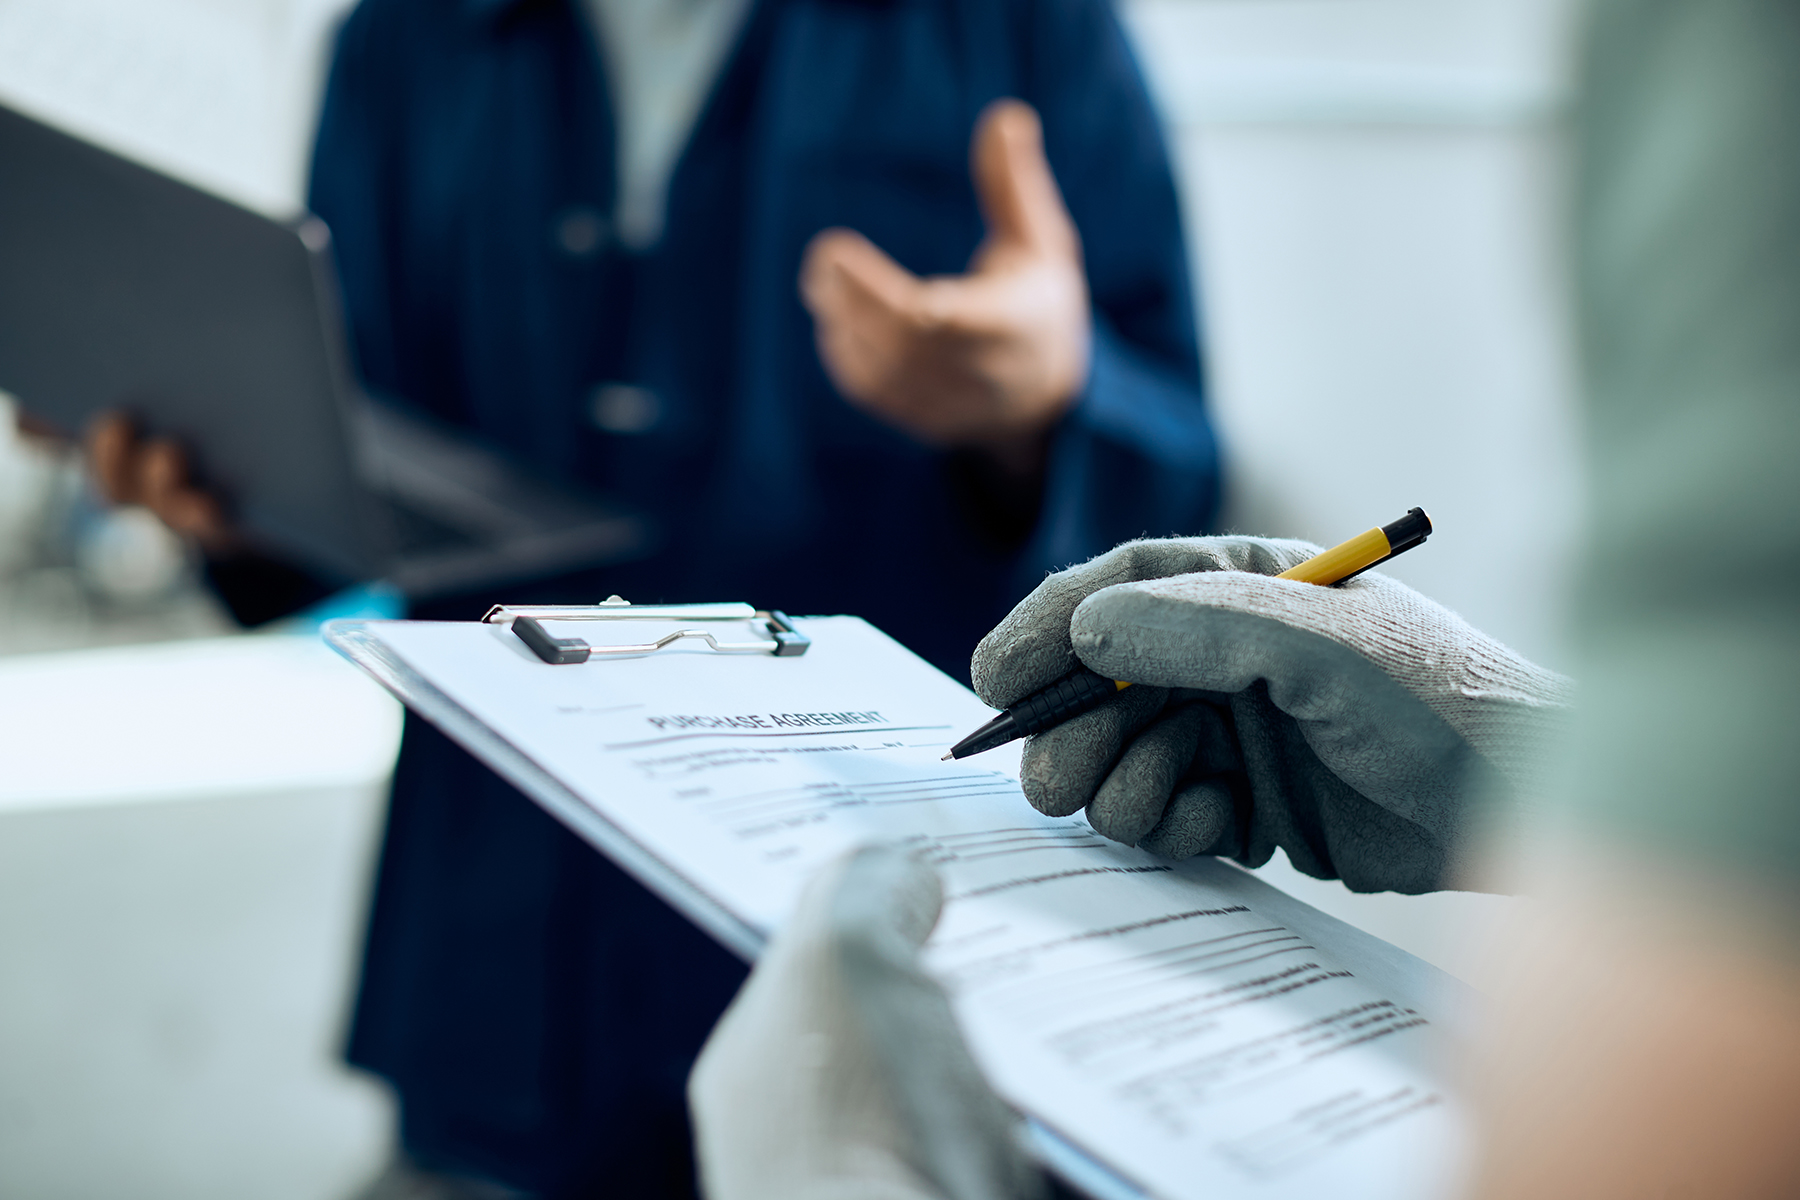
(121, 288)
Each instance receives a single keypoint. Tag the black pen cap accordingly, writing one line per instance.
(1408, 531)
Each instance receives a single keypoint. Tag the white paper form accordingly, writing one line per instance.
(1152, 1013)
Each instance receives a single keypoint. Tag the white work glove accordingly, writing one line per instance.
(1361, 728)
(838, 1073)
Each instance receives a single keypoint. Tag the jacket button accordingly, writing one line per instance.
(579, 232)
(624, 408)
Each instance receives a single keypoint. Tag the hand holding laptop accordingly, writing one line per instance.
(153, 472)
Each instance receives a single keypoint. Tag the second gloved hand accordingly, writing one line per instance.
(1360, 728)
(839, 1073)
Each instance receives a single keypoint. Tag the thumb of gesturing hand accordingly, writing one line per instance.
(1020, 202)
(990, 358)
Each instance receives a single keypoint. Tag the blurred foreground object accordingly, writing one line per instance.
(839, 1072)
(1647, 1040)
(1650, 1043)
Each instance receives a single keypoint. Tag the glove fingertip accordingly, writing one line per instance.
(1004, 670)
(1137, 792)
(1062, 768)
(1045, 793)
(1102, 633)
(1200, 819)
(881, 889)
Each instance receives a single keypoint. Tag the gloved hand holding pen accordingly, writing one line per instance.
(1360, 728)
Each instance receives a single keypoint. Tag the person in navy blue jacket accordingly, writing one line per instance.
(895, 352)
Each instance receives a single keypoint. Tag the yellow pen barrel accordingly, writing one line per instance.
(1342, 560)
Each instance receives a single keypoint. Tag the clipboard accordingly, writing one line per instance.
(356, 641)
(459, 648)
(359, 642)
(774, 631)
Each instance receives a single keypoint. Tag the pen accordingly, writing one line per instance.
(1082, 690)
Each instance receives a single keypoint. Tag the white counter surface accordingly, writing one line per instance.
(188, 720)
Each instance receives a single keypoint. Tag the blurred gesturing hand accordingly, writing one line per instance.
(989, 359)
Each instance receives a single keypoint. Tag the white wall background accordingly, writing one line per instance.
(1371, 194)
(220, 92)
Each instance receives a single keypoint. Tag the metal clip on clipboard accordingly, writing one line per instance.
(783, 641)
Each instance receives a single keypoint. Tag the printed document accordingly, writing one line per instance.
(1142, 1009)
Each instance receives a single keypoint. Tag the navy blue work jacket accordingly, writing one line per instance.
(465, 164)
